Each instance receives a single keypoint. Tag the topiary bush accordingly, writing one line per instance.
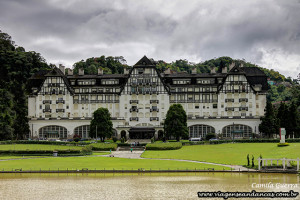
(104, 146)
(164, 146)
(210, 136)
(283, 144)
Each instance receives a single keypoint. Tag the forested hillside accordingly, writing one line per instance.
(283, 89)
(16, 66)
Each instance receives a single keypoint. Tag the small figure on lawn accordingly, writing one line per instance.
(131, 150)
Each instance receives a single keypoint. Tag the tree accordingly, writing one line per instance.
(176, 122)
(294, 120)
(269, 123)
(283, 116)
(101, 125)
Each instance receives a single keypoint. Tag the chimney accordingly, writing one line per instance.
(81, 71)
(126, 71)
(231, 66)
(224, 70)
(70, 71)
(62, 68)
(213, 70)
(194, 70)
(100, 71)
(167, 71)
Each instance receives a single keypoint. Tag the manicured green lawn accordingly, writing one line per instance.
(99, 163)
(36, 147)
(228, 153)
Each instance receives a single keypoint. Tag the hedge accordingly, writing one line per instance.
(104, 146)
(254, 141)
(40, 152)
(192, 143)
(44, 142)
(164, 146)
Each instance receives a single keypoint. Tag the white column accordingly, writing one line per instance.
(258, 163)
(283, 163)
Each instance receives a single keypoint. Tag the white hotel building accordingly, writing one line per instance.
(224, 102)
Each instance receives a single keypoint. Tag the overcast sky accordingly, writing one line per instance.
(266, 33)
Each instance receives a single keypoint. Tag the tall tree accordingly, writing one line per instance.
(101, 125)
(269, 123)
(176, 122)
(294, 120)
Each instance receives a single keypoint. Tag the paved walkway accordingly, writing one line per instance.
(137, 155)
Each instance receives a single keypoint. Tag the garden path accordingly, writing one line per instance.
(137, 155)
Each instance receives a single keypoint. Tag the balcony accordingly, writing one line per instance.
(243, 108)
(60, 101)
(243, 100)
(154, 101)
(47, 102)
(133, 101)
(229, 109)
(60, 110)
(229, 100)
(134, 110)
(134, 119)
(154, 119)
(47, 110)
(153, 109)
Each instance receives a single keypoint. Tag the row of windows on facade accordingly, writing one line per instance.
(195, 131)
(93, 82)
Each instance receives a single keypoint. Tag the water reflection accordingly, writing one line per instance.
(133, 186)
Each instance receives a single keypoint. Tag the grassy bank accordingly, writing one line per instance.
(228, 153)
(100, 163)
(37, 147)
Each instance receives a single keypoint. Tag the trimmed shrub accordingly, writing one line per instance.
(104, 146)
(114, 139)
(87, 150)
(283, 144)
(193, 143)
(210, 136)
(40, 152)
(164, 146)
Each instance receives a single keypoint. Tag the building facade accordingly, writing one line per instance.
(228, 103)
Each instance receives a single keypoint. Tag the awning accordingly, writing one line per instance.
(141, 130)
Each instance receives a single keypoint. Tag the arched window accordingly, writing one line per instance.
(239, 131)
(53, 131)
(82, 131)
(200, 130)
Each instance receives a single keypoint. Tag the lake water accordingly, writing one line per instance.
(135, 186)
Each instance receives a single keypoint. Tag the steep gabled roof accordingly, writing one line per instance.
(144, 61)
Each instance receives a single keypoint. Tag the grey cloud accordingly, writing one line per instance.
(167, 30)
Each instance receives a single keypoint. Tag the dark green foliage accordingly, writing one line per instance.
(269, 123)
(114, 139)
(40, 152)
(248, 161)
(164, 146)
(16, 66)
(101, 125)
(87, 150)
(176, 122)
(210, 136)
(104, 146)
(110, 65)
(252, 161)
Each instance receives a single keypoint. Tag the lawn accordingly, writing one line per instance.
(99, 163)
(235, 154)
(36, 147)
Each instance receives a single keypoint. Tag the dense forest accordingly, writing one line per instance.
(17, 66)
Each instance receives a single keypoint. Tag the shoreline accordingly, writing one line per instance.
(141, 171)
